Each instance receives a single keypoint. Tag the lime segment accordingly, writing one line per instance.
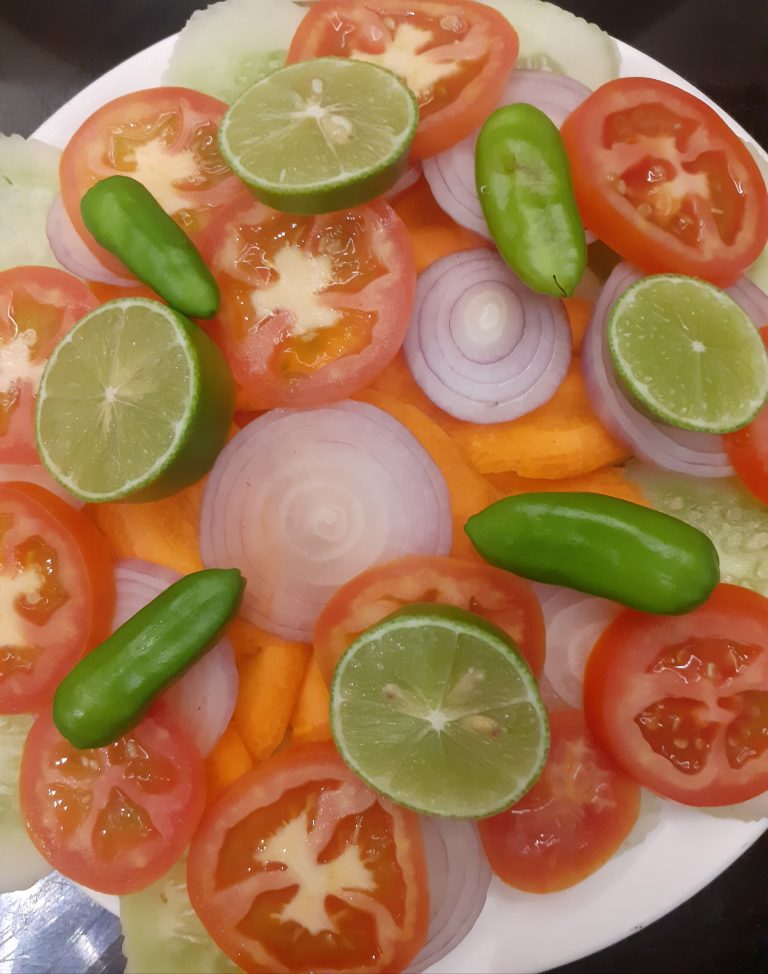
(688, 353)
(135, 400)
(436, 709)
(321, 135)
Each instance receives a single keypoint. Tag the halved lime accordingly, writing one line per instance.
(688, 353)
(135, 400)
(321, 135)
(435, 708)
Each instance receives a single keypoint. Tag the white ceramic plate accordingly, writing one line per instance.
(519, 933)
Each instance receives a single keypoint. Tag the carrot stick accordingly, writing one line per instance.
(469, 492)
(579, 312)
(434, 233)
(228, 761)
(165, 532)
(608, 480)
(309, 720)
(270, 680)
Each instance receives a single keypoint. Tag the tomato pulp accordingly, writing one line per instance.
(681, 702)
(663, 181)
(299, 867)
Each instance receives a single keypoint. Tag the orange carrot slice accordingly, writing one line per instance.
(608, 480)
(228, 761)
(269, 685)
(310, 720)
(434, 233)
(579, 312)
(165, 532)
(469, 492)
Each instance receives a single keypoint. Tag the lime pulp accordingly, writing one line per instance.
(688, 353)
(435, 708)
(134, 401)
(321, 135)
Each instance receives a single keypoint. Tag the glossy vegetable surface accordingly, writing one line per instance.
(601, 545)
(126, 219)
(109, 691)
(524, 186)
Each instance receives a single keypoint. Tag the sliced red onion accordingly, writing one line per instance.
(481, 345)
(409, 177)
(459, 876)
(698, 454)
(75, 255)
(303, 500)
(451, 174)
(574, 623)
(36, 473)
(752, 299)
(204, 698)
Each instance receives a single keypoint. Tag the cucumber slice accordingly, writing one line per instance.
(758, 272)
(553, 39)
(22, 864)
(162, 933)
(29, 181)
(225, 48)
(736, 523)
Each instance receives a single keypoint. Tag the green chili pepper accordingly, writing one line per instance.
(525, 190)
(601, 545)
(127, 220)
(109, 690)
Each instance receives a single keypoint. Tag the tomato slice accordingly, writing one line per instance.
(38, 306)
(571, 822)
(57, 593)
(312, 308)
(113, 818)
(299, 867)
(681, 702)
(500, 597)
(167, 138)
(455, 57)
(747, 449)
(662, 180)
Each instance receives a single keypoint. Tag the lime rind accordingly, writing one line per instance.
(422, 726)
(688, 354)
(321, 135)
(115, 348)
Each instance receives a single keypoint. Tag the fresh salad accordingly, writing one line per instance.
(384, 454)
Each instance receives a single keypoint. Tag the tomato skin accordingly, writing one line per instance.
(188, 176)
(571, 822)
(43, 302)
(77, 558)
(713, 225)
(366, 279)
(747, 449)
(498, 596)
(455, 105)
(681, 703)
(308, 779)
(91, 822)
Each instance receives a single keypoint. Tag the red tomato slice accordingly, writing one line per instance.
(681, 702)
(571, 822)
(299, 867)
(113, 818)
(57, 593)
(167, 138)
(38, 306)
(747, 449)
(455, 57)
(312, 308)
(662, 180)
(500, 597)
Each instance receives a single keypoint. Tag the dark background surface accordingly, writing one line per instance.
(50, 49)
